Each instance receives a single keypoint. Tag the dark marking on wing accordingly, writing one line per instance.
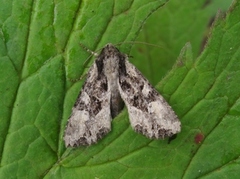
(122, 66)
(96, 91)
(133, 87)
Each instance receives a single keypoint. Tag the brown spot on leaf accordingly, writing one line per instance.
(198, 138)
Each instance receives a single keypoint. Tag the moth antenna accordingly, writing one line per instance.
(139, 42)
(88, 50)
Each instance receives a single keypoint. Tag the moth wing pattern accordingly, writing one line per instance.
(112, 80)
(149, 113)
(91, 117)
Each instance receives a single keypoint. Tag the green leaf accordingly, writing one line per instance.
(40, 55)
(171, 28)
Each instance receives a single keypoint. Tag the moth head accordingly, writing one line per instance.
(110, 51)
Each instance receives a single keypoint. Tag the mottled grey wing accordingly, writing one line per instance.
(149, 113)
(91, 118)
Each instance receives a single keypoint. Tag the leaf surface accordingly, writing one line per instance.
(40, 56)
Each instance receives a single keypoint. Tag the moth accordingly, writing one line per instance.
(112, 81)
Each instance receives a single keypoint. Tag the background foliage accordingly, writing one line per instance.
(40, 55)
